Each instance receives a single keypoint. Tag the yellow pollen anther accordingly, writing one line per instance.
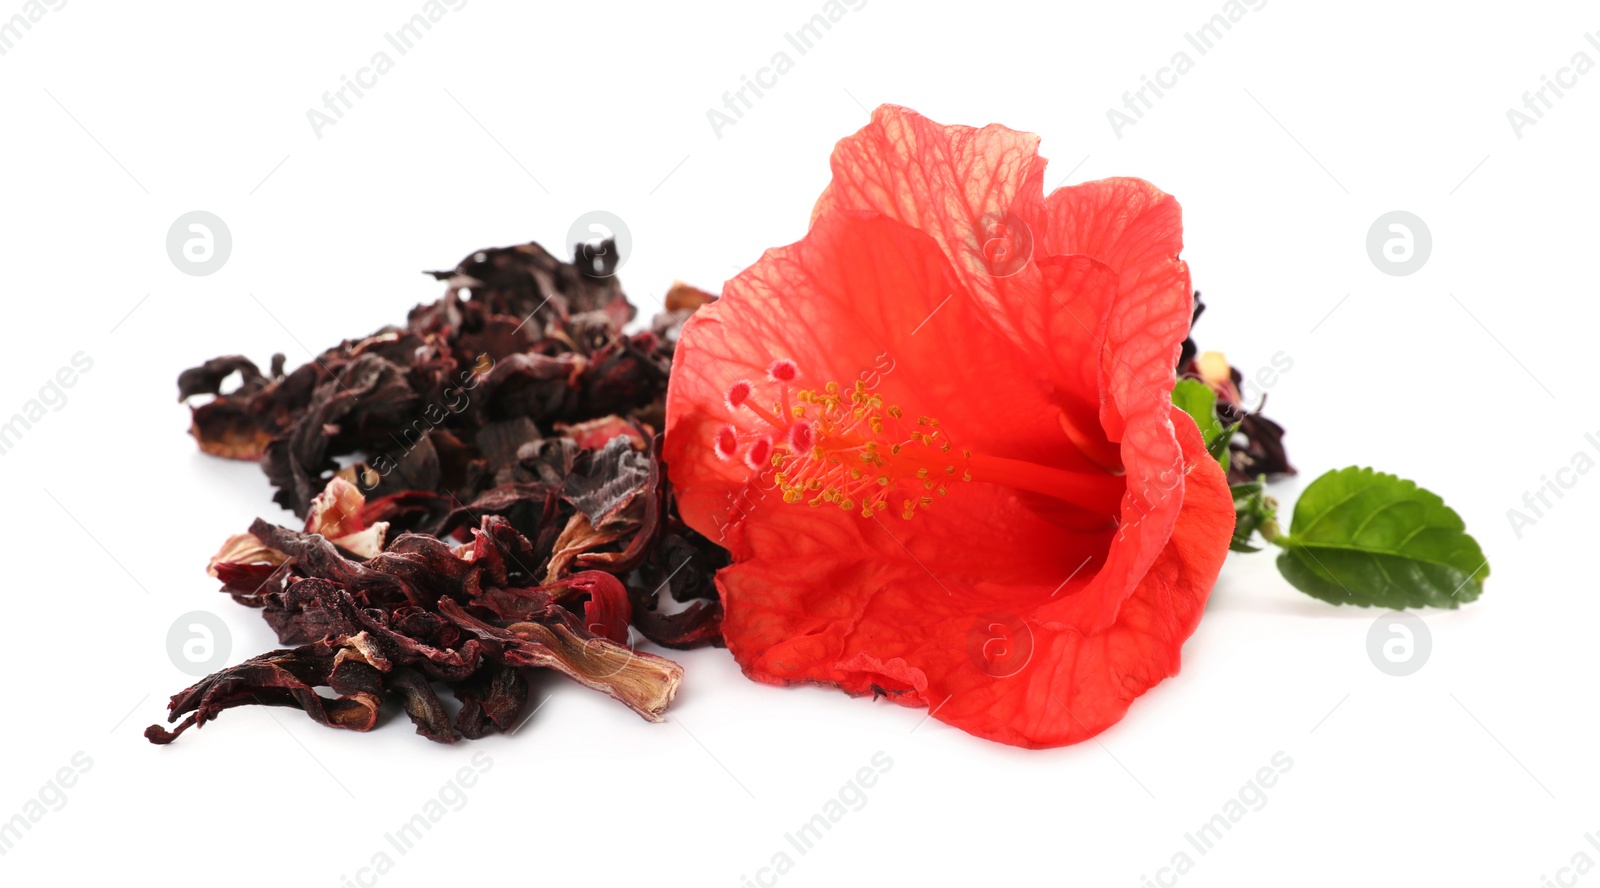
(853, 451)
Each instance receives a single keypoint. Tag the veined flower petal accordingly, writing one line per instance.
(980, 498)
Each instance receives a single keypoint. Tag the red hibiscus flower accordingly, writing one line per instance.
(936, 435)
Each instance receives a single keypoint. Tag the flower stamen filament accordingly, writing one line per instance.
(850, 449)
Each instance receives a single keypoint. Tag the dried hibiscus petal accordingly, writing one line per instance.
(427, 712)
(492, 701)
(645, 682)
(425, 610)
(1256, 446)
(679, 574)
(284, 678)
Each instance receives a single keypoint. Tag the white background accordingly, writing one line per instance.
(504, 124)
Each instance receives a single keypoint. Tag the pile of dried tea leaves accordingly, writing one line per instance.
(482, 492)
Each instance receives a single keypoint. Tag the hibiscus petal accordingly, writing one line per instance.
(874, 626)
(1137, 230)
(865, 297)
(1085, 683)
(975, 191)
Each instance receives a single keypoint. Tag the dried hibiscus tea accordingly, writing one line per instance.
(419, 611)
(483, 496)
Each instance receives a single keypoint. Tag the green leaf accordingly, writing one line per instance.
(1199, 401)
(1366, 538)
(1253, 510)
